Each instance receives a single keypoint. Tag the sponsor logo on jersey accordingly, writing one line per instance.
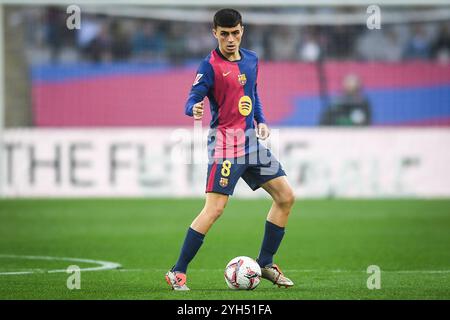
(245, 105)
(242, 79)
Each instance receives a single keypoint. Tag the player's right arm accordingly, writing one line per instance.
(203, 82)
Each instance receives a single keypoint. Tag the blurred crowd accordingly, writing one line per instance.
(106, 39)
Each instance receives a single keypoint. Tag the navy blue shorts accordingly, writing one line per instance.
(255, 168)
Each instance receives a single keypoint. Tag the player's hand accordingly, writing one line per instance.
(197, 110)
(263, 131)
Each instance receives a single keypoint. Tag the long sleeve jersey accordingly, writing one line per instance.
(231, 88)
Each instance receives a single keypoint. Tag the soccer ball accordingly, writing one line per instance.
(242, 273)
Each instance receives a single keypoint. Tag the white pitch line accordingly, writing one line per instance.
(106, 265)
(103, 265)
(302, 271)
(15, 273)
(420, 271)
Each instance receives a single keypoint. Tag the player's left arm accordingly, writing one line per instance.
(262, 128)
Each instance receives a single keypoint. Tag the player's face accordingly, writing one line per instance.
(229, 38)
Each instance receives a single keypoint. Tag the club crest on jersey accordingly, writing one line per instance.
(223, 182)
(242, 79)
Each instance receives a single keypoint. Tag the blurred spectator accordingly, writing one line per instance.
(393, 48)
(419, 46)
(382, 46)
(110, 38)
(310, 49)
(120, 43)
(147, 42)
(99, 48)
(55, 32)
(201, 41)
(350, 109)
(370, 45)
(283, 43)
(340, 44)
(90, 30)
(258, 41)
(176, 45)
(441, 46)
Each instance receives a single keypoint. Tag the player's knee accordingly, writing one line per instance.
(286, 200)
(215, 212)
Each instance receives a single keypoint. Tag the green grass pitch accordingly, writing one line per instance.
(326, 250)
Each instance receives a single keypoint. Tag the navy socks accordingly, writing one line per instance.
(192, 243)
(272, 238)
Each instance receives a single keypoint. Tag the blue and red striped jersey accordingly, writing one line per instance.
(231, 88)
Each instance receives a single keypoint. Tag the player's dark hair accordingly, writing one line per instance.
(227, 18)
